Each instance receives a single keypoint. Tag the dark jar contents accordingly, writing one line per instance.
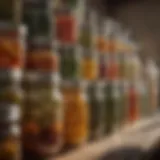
(69, 62)
(96, 106)
(42, 126)
(10, 147)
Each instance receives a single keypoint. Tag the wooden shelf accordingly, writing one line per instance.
(142, 134)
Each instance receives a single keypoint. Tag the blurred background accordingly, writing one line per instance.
(79, 79)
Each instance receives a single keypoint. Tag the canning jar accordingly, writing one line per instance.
(69, 62)
(89, 66)
(12, 46)
(134, 102)
(96, 107)
(76, 117)
(66, 27)
(43, 124)
(41, 57)
(10, 148)
(113, 112)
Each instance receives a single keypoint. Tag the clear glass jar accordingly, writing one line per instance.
(97, 108)
(42, 125)
(76, 117)
(89, 67)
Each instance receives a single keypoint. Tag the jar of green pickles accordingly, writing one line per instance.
(112, 106)
(69, 62)
(76, 116)
(42, 124)
(96, 106)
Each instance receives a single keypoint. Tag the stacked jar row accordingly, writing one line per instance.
(12, 49)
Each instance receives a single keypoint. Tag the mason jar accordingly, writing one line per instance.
(97, 108)
(76, 116)
(89, 66)
(113, 108)
(42, 124)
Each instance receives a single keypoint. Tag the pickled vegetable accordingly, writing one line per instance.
(75, 125)
(43, 125)
(69, 63)
(66, 28)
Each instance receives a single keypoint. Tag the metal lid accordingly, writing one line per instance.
(9, 130)
(9, 113)
(42, 78)
(10, 75)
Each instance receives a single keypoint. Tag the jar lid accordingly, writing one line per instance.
(41, 78)
(14, 75)
(9, 130)
(9, 113)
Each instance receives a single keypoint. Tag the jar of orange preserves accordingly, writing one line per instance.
(89, 66)
(76, 116)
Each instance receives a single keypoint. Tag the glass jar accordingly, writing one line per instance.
(76, 117)
(89, 67)
(134, 102)
(42, 125)
(12, 47)
(96, 105)
(113, 110)
(10, 147)
(69, 62)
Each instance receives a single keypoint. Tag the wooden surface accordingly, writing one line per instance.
(141, 135)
